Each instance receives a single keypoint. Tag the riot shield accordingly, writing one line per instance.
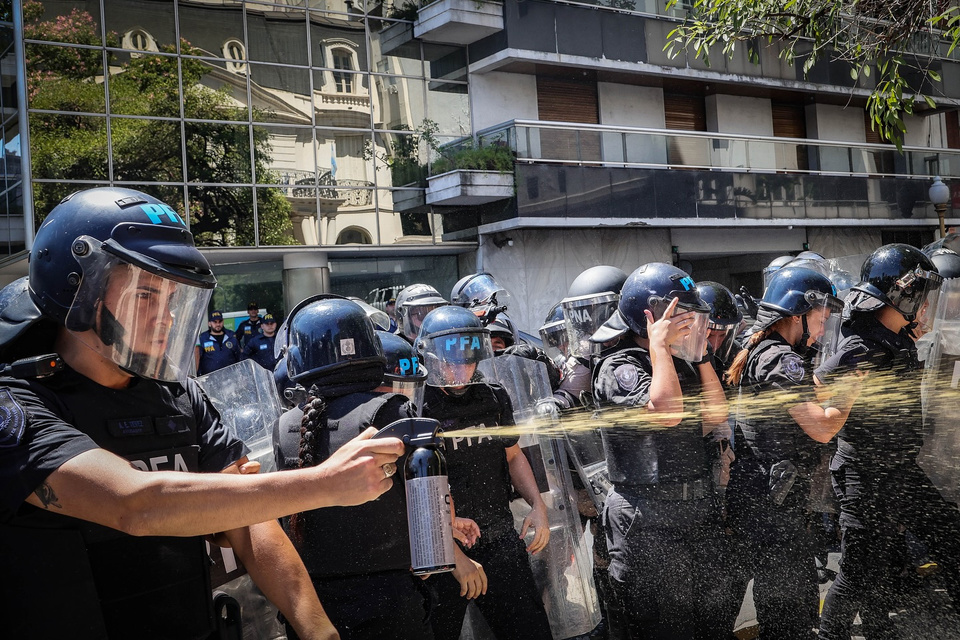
(562, 570)
(245, 395)
(844, 274)
(940, 455)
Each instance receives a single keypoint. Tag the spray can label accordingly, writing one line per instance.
(428, 516)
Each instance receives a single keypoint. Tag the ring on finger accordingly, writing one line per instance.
(389, 469)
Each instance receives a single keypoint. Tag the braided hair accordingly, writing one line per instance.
(314, 446)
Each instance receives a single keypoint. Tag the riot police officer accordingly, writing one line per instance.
(482, 294)
(782, 428)
(260, 348)
(878, 481)
(358, 557)
(98, 492)
(481, 469)
(217, 347)
(664, 399)
(413, 305)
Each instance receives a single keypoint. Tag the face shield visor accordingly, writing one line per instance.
(555, 341)
(409, 378)
(946, 326)
(145, 323)
(583, 316)
(691, 347)
(451, 357)
(916, 291)
(722, 338)
(411, 317)
(484, 296)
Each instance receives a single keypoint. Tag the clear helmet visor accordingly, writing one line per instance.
(583, 316)
(927, 312)
(411, 388)
(722, 339)
(451, 357)
(691, 347)
(913, 291)
(555, 341)
(411, 317)
(143, 322)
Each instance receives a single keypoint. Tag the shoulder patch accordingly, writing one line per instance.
(792, 366)
(626, 375)
(12, 420)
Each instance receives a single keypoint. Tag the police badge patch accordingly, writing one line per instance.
(792, 366)
(12, 420)
(626, 375)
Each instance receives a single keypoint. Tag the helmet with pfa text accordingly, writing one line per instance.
(451, 342)
(403, 372)
(330, 342)
(120, 268)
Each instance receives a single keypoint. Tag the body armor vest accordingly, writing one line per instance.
(77, 579)
(347, 541)
(661, 455)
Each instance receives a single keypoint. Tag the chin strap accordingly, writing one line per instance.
(111, 331)
(802, 347)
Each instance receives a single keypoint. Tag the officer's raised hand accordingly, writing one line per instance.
(670, 328)
(362, 469)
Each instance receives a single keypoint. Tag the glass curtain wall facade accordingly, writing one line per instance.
(12, 228)
(310, 123)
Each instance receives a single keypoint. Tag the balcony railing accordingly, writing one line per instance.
(600, 145)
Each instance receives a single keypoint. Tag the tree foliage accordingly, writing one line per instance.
(890, 45)
(74, 146)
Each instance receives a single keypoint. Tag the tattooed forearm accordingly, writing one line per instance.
(47, 496)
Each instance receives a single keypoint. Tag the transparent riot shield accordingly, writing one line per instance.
(245, 394)
(844, 273)
(563, 570)
(940, 455)
(583, 315)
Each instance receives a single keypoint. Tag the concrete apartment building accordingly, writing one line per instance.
(309, 144)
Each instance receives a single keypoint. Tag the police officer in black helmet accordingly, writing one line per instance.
(781, 428)
(101, 508)
(332, 352)
(661, 393)
(879, 484)
(481, 470)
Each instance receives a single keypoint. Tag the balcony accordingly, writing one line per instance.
(460, 22)
(464, 188)
(595, 174)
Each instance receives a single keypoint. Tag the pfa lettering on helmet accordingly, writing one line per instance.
(462, 343)
(157, 212)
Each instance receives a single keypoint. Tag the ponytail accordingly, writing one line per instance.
(314, 448)
(735, 370)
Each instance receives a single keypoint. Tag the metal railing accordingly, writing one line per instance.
(558, 142)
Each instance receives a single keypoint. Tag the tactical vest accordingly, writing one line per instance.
(643, 455)
(767, 426)
(885, 428)
(75, 579)
(348, 541)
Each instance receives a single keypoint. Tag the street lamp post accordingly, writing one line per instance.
(940, 195)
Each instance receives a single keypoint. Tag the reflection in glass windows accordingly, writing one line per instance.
(267, 123)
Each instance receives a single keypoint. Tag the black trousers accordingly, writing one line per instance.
(512, 606)
(392, 604)
(876, 501)
(775, 546)
(665, 566)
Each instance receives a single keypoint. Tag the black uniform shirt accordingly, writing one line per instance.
(886, 422)
(44, 413)
(650, 454)
(776, 378)
(476, 466)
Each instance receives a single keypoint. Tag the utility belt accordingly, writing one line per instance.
(697, 489)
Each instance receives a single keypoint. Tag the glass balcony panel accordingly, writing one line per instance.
(645, 148)
(688, 151)
(612, 147)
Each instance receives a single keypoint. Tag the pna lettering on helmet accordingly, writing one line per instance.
(156, 212)
(462, 343)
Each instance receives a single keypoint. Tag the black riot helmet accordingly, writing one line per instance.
(896, 275)
(482, 294)
(949, 241)
(553, 333)
(725, 317)
(452, 341)
(794, 291)
(775, 265)
(120, 269)
(597, 279)
(502, 327)
(947, 262)
(652, 287)
(412, 306)
(403, 372)
(330, 342)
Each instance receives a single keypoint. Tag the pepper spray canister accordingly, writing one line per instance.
(428, 495)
